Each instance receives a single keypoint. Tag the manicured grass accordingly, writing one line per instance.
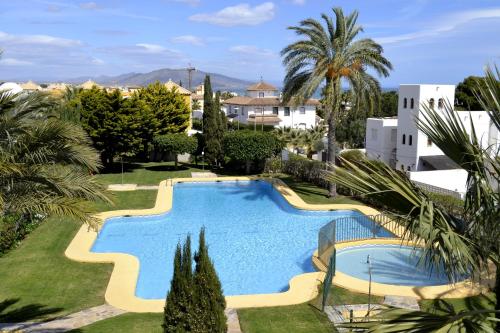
(313, 194)
(38, 282)
(129, 323)
(302, 318)
(487, 301)
(147, 173)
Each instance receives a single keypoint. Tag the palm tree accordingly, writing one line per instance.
(311, 140)
(331, 55)
(464, 244)
(46, 164)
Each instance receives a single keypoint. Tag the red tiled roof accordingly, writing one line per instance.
(261, 86)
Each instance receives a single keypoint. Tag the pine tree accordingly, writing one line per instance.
(173, 315)
(209, 302)
(212, 144)
(221, 127)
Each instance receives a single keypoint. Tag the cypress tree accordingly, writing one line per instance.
(212, 144)
(209, 302)
(173, 317)
(221, 127)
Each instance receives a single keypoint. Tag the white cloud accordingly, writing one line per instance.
(446, 24)
(97, 61)
(251, 50)
(151, 48)
(38, 39)
(242, 14)
(91, 5)
(14, 62)
(192, 3)
(188, 39)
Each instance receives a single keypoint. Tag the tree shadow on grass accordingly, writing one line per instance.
(181, 167)
(116, 167)
(28, 312)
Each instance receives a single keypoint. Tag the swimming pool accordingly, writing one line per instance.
(256, 239)
(391, 264)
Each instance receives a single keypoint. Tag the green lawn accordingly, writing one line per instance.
(468, 303)
(313, 194)
(147, 173)
(127, 323)
(38, 282)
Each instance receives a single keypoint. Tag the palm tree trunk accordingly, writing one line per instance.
(332, 97)
(332, 191)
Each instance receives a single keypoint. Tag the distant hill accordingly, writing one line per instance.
(219, 82)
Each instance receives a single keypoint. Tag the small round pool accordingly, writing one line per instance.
(391, 264)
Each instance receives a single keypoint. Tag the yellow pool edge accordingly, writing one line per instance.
(120, 291)
(458, 290)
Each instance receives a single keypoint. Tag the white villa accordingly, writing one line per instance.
(263, 105)
(399, 143)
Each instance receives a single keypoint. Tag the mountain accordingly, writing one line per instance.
(219, 81)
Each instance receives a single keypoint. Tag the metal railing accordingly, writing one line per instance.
(438, 190)
(358, 227)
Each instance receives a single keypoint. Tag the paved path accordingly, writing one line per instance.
(409, 303)
(203, 174)
(90, 316)
(67, 323)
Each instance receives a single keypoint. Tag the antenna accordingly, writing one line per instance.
(190, 69)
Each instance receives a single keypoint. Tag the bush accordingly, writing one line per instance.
(353, 155)
(175, 143)
(14, 229)
(233, 125)
(197, 124)
(251, 147)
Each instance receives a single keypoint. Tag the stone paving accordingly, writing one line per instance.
(90, 316)
(410, 303)
(203, 175)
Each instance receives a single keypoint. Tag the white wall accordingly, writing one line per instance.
(295, 119)
(453, 180)
(379, 140)
(267, 93)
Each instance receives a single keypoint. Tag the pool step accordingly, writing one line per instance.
(403, 302)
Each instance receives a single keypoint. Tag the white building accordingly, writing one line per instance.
(399, 143)
(262, 105)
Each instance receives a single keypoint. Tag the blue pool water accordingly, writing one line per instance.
(391, 264)
(257, 241)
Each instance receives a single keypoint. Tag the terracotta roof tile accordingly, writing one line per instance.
(261, 86)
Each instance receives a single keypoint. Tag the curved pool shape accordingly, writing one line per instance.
(256, 239)
(391, 264)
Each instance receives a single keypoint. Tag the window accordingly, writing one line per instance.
(412, 103)
(405, 103)
(429, 142)
(440, 103)
(410, 140)
(302, 126)
(287, 111)
(235, 109)
(394, 135)
(259, 111)
(242, 110)
(408, 168)
(404, 139)
(275, 110)
(402, 167)
(374, 134)
(261, 94)
(431, 104)
(302, 110)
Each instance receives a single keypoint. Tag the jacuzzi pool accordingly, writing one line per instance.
(391, 264)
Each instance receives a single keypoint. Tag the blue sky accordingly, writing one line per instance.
(427, 41)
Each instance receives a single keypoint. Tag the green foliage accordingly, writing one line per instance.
(311, 171)
(237, 126)
(209, 302)
(163, 111)
(353, 155)
(111, 125)
(388, 104)
(13, 229)
(465, 98)
(250, 146)
(45, 163)
(195, 302)
(176, 143)
(331, 54)
(212, 127)
(197, 124)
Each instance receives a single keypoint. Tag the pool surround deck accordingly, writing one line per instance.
(302, 288)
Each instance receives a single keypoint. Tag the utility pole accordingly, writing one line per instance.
(190, 69)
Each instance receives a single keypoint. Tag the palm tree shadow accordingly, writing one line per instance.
(24, 313)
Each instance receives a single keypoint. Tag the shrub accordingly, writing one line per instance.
(14, 229)
(197, 124)
(175, 143)
(249, 146)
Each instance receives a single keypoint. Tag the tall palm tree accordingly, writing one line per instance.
(330, 55)
(464, 244)
(46, 163)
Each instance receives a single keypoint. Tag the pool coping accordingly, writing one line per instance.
(120, 291)
(460, 289)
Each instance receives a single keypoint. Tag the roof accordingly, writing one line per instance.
(263, 101)
(171, 85)
(261, 86)
(30, 85)
(57, 86)
(439, 162)
(266, 119)
(89, 84)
